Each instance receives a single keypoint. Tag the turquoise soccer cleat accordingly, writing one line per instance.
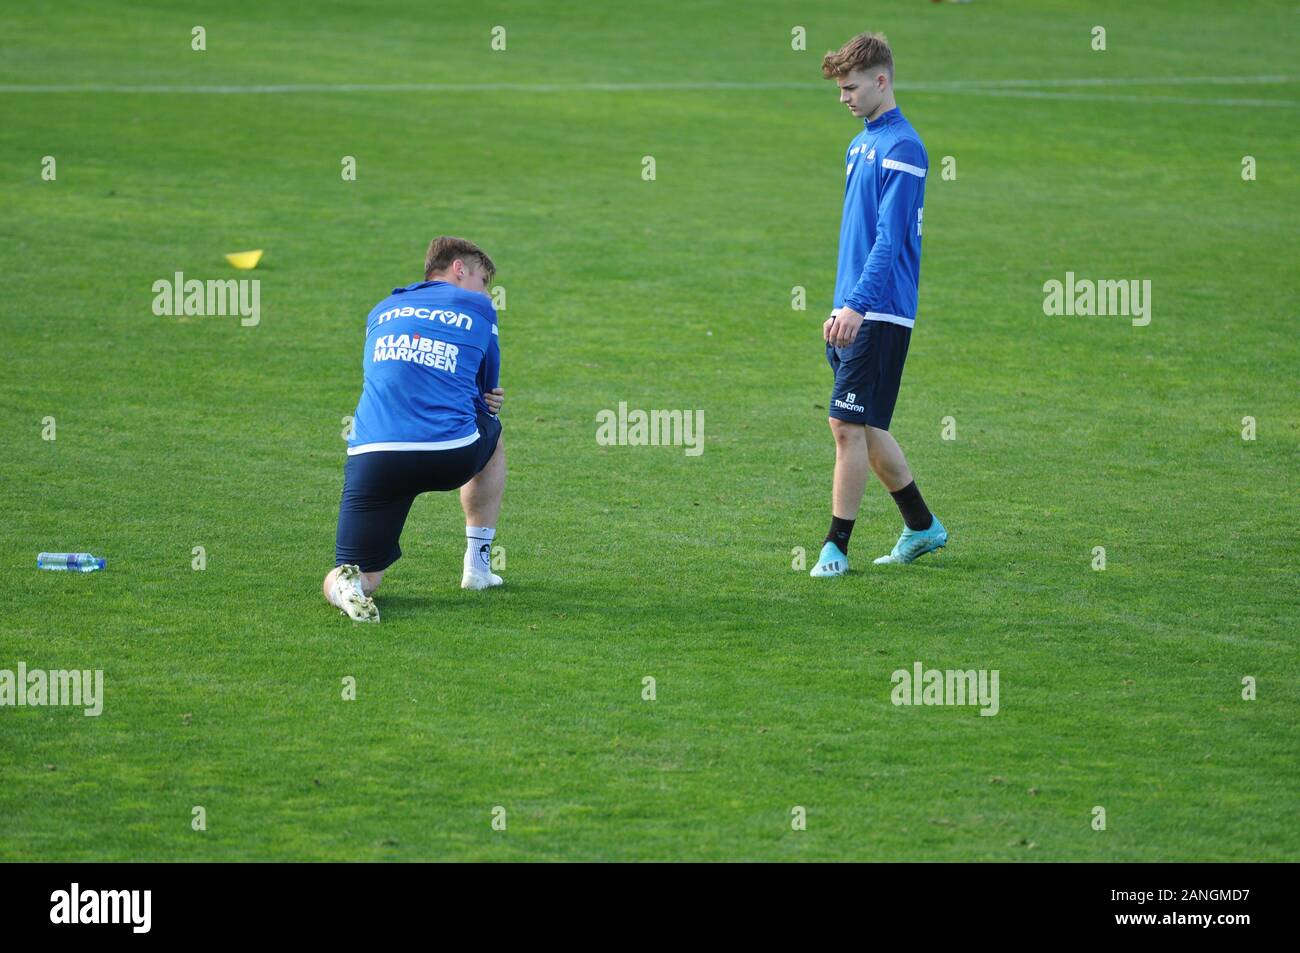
(916, 543)
(831, 562)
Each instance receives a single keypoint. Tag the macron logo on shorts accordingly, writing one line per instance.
(850, 403)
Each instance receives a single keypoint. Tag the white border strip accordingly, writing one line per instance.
(889, 318)
(398, 445)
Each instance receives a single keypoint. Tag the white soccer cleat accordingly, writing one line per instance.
(479, 580)
(351, 598)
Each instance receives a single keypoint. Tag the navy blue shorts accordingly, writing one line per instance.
(867, 374)
(380, 486)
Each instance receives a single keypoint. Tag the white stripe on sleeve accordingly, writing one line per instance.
(903, 167)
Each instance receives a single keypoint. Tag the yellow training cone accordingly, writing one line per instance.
(245, 259)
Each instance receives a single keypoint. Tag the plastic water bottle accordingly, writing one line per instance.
(77, 562)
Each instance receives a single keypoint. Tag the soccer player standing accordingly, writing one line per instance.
(426, 421)
(876, 283)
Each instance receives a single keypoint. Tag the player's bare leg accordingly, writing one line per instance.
(860, 449)
(480, 498)
(886, 459)
(922, 531)
(852, 467)
(852, 459)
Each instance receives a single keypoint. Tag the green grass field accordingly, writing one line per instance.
(1119, 688)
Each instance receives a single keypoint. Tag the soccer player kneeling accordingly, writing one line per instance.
(427, 420)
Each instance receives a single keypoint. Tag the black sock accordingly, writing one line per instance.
(916, 514)
(839, 533)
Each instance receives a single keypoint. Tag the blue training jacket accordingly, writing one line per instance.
(431, 354)
(880, 233)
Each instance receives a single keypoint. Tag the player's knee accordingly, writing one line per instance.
(846, 432)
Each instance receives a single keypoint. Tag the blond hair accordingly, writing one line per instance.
(445, 249)
(862, 52)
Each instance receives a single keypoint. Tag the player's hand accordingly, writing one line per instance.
(493, 399)
(842, 327)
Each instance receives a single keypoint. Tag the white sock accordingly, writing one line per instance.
(478, 548)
